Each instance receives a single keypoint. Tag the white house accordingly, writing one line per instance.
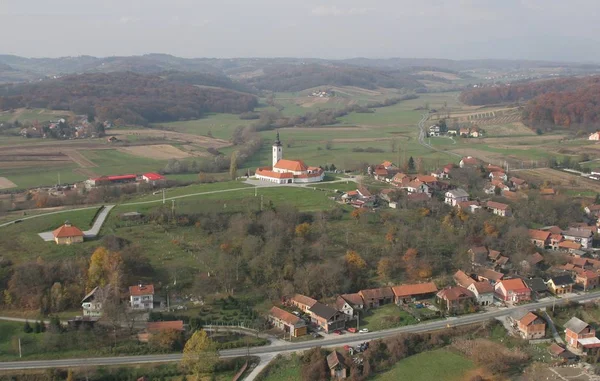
(581, 236)
(594, 136)
(468, 161)
(484, 292)
(455, 196)
(141, 297)
(92, 302)
(349, 305)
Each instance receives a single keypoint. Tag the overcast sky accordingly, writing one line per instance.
(566, 30)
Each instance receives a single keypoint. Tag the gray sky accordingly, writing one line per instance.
(565, 30)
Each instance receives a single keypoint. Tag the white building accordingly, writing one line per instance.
(581, 236)
(455, 196)
(141, 297)
(285, 171)
(92, 302)
(594, 136)
(484, 292)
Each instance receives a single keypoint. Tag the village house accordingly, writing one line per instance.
(349, 304)
(533, 261)
(289, 323)
(580, 336)
(141, 297)
(468, 206)
(594, 136)
(531, 326)
(381, 174)
(568, 246)
(416, 186)
(152, 328)
(592, 210)
(153, 178)
(301, 302)
(337, 368)
(483, 291)
(469, 161)
(441, 174)
(538, 287)
(92, 303)
(518, 184)
(539, 238)
(555, 240)
(479, 255)
(328, 318)
(453, 197)
(475, 132)
(406, 293)
(498, 175)
(488, 275)
(67, 234)
(499, 208)
(464, 132)
(376, 297)
(562, 284)
(560, 353)
(512, 290)
(579, 235)
(462, 279)
(418, 197)
(547, 193)
(455, 298)
(586, 279)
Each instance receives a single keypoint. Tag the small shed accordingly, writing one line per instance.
(337, 366)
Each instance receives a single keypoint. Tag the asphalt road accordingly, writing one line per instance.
(423, 135)
(273, 350)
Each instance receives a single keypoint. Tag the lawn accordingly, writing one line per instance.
(284, 368)
(219, 125)
(31, 177)
(388, 316)
(441, 364)
(113, 162)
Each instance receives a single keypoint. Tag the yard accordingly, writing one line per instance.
(283, 368)
(388, 316)
(441, 364)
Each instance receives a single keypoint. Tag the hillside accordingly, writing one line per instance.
(132, 98)
(301, 77)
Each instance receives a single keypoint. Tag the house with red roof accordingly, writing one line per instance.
(455, 298)
(153, 328)
(67, 234)
(483, 291)
(302, 302)
(285, 171)
(512, 290)
(531, 326)
(540, 238)
(409, 292)
(499, 208)
(349, 304)
(289, 323)
(586, 279)
(375, 297)
(153, 178)
(468, 161)
(141, 296)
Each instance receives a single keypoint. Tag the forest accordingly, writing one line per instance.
(301, 77)
(565, 102)
(126, 97)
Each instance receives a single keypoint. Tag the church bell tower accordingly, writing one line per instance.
(277, 150)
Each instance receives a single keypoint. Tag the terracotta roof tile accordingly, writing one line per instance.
(529, 319)
(67, 230)
(163, 325)
(405, 290)
(145, 289)
(287, 317)
(291, 165)
(302, 299)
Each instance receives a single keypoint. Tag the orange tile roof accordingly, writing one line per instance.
(377, 293)
(387, 163)
(163, 325)
(291, 165)
(147, 289)
(566, 244)
(529, 319)
(404, 290)
(67, 231)
(303, 299)
(490, 274)
(287, 317)
(454, 293)
(463, 279)
(498, 174)
(497, 205)
(276, 175)
(515, 284)
(355, 298)
(539, 235)
(470, 160)
(426, 178)
(483, 287)
(547, 191)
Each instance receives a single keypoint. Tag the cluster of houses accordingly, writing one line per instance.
(141, 298)
(152, 178)
(464, 132)
(81, 128)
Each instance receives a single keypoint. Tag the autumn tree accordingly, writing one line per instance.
(303, 230)
(233, 165)
(199, 354)
(385, 268)
(355, 268)
(105, 268)
(167, 340)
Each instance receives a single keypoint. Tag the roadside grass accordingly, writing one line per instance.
(283, 368)
(441, 364)
(388, 316)
(190, 189)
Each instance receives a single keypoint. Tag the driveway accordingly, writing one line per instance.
(94, 230)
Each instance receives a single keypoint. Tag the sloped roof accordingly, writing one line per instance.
(576, 325)
(455, 293)
(568, 244)
(405, 290)
(302, 299)
(426, 178)
(287, 317)
(515, 284)
(469, 160)
(483, 287)
(153, 176)
(163, 325)
(365, 192)
(490, 274)
(381, 172)
(334, 359)
(536, 284)
(291, 165)
(594, 207)
(579, 262)
(479, 250)
(458, 192)
(494, 254)
(502, 260)
(377, 293)
(556, 349)
(535, 259)
(579, 233)
(497, 205)
(276, 175)
(517, 181)
(67, 230)
(323, 310)
(145, 289)
(531, 318)
(539, 235)
(354, 299)
(418, 197)
(462, 279)
(562, 280)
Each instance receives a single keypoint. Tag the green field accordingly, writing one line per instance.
(285, 368)
(31, 177)
(113, 162)
(441, 364)
(388, 316)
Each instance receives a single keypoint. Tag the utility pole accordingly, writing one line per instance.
(173, 208)
(163, 192)
(20, 352)
(58, 178)
(255, 191)
(358, 321)
(261, 202)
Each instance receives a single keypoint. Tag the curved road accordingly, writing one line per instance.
(423, 135)
(273, 350)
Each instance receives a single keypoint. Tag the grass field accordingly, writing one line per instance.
(30, 177)
(113, 162)
(285, 368)
(389, 316)
(441, 364)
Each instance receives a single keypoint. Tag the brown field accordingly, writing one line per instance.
(79, 159)
(513, 128)
(157, 151)
(202, 141)
(6, 183)
(561, 179)
(488, 157)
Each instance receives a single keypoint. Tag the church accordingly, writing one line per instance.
(286, 171)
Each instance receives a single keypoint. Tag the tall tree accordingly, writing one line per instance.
(233, 165)
(199, 354)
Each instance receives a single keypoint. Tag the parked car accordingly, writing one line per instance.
(296, 313)
(364, 330)
(316, 335)
(337, 332)
(351, 330)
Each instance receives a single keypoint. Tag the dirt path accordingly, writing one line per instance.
(85, 172)
(79, 159)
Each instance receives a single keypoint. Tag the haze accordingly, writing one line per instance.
(456, 29)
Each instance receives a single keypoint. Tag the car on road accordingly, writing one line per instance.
(364, 330)
(338, 332)
(296, 313)
(316, 335)
(351, 330)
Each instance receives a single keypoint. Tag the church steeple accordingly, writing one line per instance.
(277, 150)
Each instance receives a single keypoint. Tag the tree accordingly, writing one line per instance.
(233, 165)
(303, 230)
(70, 376)
(167, 340)
(199, 354)
(105, 268)
(27, 327)
(411, 164)
(385, 268)
(329, 145)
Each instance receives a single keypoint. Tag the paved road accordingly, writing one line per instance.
(93, 232)
(423, 135)
(47, 214)
(268, 351)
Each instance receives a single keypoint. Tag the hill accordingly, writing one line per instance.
(132, 98)
(300, 77)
